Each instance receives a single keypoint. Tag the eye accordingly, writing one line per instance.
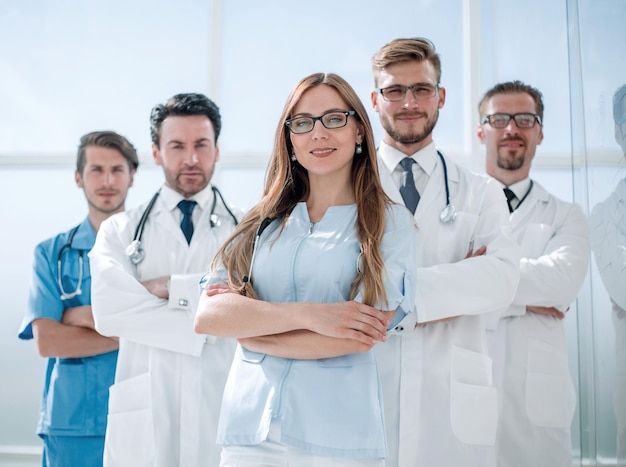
(394, 92)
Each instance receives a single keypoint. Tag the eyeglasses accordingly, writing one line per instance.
(420, 91)
(501, 120)
(331, 120)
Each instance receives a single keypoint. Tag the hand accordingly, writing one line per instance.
(80, 316)
(159, 287)
(216, 289)
(350, 320)
(471, 254)
(546, 310)
(441, 320)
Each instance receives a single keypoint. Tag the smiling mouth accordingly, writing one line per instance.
(512, 143)
(322, 152)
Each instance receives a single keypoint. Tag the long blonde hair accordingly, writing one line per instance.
(287, 183)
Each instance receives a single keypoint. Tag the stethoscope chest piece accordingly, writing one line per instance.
(448, 214)
(135, 252)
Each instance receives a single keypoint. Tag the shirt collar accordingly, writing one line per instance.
(85, 236)
(171, 197)
(520, 188)
(425, 157)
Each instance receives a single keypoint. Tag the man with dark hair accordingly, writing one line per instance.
(147, 264)
(440, 402)
(528, 345)
(81, 362)
(608, 242)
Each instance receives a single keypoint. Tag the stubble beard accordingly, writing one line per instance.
(410, 137)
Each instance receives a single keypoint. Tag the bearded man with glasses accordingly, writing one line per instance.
(440, 402)
(527, 340)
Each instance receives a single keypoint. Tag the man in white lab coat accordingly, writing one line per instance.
(529, 345)
(146, 268)
(608, 242)
(440, 402)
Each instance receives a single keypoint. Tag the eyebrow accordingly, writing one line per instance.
(306, 114)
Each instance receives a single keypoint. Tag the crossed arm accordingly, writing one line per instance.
(73, 337)
(291, 330)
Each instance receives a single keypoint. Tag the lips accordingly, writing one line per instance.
(512, 143)
(410, 116)
(321, 152)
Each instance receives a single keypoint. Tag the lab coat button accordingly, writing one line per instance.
(399, 328)
(182, 302)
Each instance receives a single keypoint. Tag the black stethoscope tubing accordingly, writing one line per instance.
(136, 253)
(68, 245)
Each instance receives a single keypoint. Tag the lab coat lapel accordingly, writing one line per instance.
(164, 219)
(388, 184)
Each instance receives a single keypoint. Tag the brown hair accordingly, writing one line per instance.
(106, 139)
(417, 49)
(286, 184)
(514, 87)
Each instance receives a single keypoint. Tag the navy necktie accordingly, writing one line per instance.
(186, 225)
(409, 193)
(510, 196)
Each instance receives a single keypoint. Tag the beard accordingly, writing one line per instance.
(510, 159)
(410, 137)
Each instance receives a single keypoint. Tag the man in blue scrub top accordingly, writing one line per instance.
(81, 362)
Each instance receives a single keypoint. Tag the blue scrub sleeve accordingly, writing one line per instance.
(44, 300)
(399, 252)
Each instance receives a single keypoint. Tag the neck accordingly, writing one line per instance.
(97, 217)
(507, 177)
(326, 191)
(408, 148)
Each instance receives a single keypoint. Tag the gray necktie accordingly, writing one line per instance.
(409, 193)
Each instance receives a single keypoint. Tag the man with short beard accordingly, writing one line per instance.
(147, 264)
(528, 342)
(440, 402)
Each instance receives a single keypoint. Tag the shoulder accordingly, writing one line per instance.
(50, 246)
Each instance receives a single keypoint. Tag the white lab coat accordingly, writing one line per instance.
(608, 242)
(440, 402)
(537, 396)
(164, 405)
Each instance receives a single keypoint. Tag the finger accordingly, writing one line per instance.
(481, 251)
(360, 337)
(366, 310)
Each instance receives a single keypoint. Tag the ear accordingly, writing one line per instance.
(132, 178)
(374, 97)
(540, 136)
(359, 134)
(442, 97)
(480, 132)
(79, 179)
(217, 153)
(156, 155)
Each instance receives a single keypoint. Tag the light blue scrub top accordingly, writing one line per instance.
(333, 406)
(76, 390)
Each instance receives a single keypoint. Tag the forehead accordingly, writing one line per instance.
(97, 155)
(511, 103)
(318, 100)
(186, 128)
(406, 73)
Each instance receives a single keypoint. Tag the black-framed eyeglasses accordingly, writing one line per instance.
(420, 91)
(331, 120)
(501, 120)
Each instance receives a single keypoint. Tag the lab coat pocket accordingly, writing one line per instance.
(535, 240)
(550, 395)
(454, 240)
(473, 399)
(130, 429)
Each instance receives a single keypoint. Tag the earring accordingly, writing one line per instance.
(359, 149)
(293, 157)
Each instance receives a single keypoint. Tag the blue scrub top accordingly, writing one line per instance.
(332, 406)
(76, 390)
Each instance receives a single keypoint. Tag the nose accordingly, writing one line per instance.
(410, 100)
(108, 178)
(319, 130)
(191, 158)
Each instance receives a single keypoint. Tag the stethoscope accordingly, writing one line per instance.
(135, 251)
(68, 245)
(448, 213)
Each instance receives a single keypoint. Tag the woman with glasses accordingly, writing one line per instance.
(310, 280)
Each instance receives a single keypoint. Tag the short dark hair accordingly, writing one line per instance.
(106, 139)
(514, 87)
(187, 104)
(618, 108)
(417, 49)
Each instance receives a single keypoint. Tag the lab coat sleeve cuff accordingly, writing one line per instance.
(184, 292)
(514, 310)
